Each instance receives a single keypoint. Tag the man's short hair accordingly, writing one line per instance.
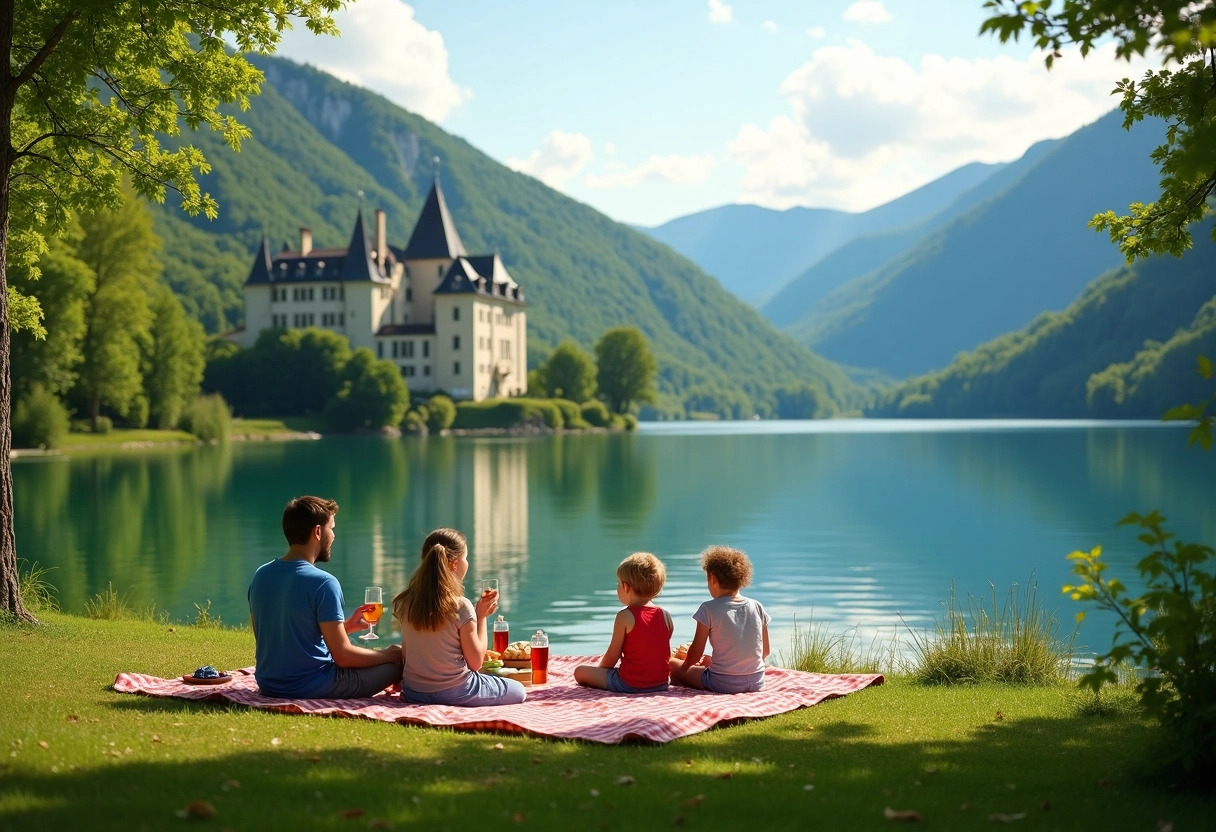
(730, 566)
(303, 514)
(644, 573)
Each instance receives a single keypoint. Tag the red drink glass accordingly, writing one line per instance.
(501, 640)
(540, 665)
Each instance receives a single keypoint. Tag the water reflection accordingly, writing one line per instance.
(861, 527)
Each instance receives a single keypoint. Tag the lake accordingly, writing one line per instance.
(858, 523)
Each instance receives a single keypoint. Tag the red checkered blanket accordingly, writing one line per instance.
(558, 709)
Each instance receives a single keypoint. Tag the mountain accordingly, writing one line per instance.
(1125, 348)
(318, 142)
(993, 268)
(866, 253)
(754, 252)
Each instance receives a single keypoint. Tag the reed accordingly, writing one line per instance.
(815, 649)
(37, 593)
(1016, 641)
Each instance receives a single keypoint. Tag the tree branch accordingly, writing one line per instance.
(39, 59)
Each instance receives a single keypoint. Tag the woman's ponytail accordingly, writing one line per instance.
(430, 598)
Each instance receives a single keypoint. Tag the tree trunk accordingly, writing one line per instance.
(10, 589)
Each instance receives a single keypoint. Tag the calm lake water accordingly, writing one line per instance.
(858, 522)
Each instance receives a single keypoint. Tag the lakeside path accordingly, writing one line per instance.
(962, 757)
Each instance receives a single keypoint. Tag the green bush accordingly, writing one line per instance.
(1017, 642)
(595, 413)
(208, 418)
(508, 413)
(629, 421)
(39, 420)
(1170, 630)
(441, 413)
(104, 425)
(572, 414)
(414, 421)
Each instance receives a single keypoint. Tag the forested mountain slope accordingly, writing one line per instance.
(1089, 360)
(317, 142)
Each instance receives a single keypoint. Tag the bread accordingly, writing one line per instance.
(681, 652)
(518, 650)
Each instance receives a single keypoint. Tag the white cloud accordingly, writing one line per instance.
(384, 49)
(863, 128)
(670, 170)
(610, 148)
(817, 32)
(771, 26)
(720, 12)
(867, 11)
(561, 156)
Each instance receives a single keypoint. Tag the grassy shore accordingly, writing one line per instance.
(80, 754)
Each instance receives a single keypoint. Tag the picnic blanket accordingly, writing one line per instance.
(559, 709)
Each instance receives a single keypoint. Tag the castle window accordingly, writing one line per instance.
(310, 293)
(379, 349)
(394, 349)
(426, 371)
(455, 368)
(311, 319)
(426, 349)
(455, 313)
(407, 349)
(441, 270)
(409, 294)
(455, 342)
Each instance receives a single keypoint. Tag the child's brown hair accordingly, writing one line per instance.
(644, 573)
(429, 601)
(730, 567)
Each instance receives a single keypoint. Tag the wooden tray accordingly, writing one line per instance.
(518, 663)
(218, 680)
(524, 678)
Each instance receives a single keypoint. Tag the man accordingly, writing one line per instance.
(295, 610)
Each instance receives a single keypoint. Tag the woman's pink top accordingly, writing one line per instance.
(647, 649)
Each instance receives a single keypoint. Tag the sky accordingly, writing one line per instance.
(650, 110)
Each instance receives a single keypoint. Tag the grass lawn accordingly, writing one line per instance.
(272, 428)
(81, 756)
(121, 436)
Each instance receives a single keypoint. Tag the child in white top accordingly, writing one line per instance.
(736, 628)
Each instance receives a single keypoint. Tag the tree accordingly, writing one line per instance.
(627, 368)
(569, 373)
(803, 401)
(173, 359)
(373, 394)
(117, 246)
(1184, 33)
(88, 89)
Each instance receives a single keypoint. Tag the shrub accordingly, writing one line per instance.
(1170, 630)
(815, 650)
(1015, 642)
(441, 413)
(208, 418)
(629, 421)
(572, 414)
(508, 413)
(414, 421)
(39, 420)
(104, 425)
(595, 413)
(109, 605)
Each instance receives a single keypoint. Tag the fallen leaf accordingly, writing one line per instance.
(569, 773)
(1104, 782)
(155, 738)
(351, 814)
(73, 719)
(200, 809)
(625, 780)
(276, 741)
(1045, 806)
(757, 760)
(726, 775)
(901, 814)
(518, 817)
(809, 787)
(678, 820)
(314, 759)
(595, 792)
(997, 817)
(964, 807)
(693, 801)
(535, 760)
(999, 716)
(688, 762)
(379, 823)
(490, 782)
(231, 784)
(496, 746)
(43, 744)
(932, 770)
(1165, 826)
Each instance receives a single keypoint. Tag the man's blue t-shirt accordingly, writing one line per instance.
(289, 600)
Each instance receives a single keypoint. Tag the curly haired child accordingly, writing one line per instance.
(736, 628)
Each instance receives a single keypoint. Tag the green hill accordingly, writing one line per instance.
(997, 266)
(1126, 348)
(318, 141)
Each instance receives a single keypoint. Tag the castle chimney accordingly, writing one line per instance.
(305, 241)
(381, 238)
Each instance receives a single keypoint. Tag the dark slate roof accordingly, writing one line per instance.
(406, 329)
(434, 234)
(462, 279)
(260, 273)
(352, 264)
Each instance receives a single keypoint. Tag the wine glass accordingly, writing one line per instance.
(375, 596)
(485, 585)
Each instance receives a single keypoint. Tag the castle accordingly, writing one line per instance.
(451, 322)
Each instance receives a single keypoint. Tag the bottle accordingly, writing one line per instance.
(502, 632)
(540, 658)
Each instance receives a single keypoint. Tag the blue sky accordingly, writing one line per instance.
(651, 110)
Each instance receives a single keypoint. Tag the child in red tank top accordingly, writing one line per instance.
(641, 635)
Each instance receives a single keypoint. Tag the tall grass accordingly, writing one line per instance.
(37, 593)
(111, 605)
(1016, 641)
(814, 649)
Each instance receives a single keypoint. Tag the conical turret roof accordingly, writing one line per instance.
(435, 234)
(260, 273)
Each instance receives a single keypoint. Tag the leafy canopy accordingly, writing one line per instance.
(627, 368)
(1183, 94)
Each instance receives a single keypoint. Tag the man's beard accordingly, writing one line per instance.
(323, 555)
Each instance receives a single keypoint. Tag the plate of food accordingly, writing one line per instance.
(518, 655)
(207, 675)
